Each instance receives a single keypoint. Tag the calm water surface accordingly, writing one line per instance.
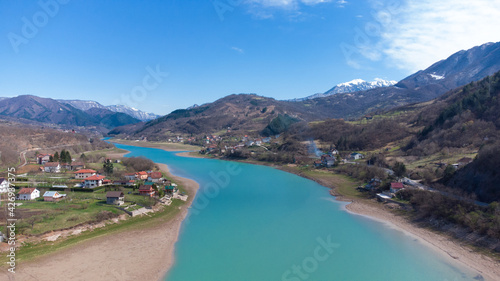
(251, 222)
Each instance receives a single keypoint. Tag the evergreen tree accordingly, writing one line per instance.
(108, 167)
(399, 169)
(68, 157)
(63, 155)
(55, 158)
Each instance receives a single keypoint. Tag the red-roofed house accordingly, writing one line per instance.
(147, 190)
(141, 175)
(129, 176)
(93, 181)
(28, 193)
(84, 173)
(396, 186)
(155, 176)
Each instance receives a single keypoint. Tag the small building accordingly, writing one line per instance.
(4, 185)
(141, 175)
(356, 156)
(130, 183)
(327, 160)
(374, 183)
(171, 189)
(93, 181)
(155, 177)
(146, 190)
(28, 193)
(120, 182)
(77, 166)
(130, 176)
(84, 173)
(318, 163)
(115, 198)
(52, 167)
(43, 158)
(396, 186)
(65, 166)
(53, 196)
(333, 152)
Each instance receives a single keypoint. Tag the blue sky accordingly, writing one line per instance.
(158, 56)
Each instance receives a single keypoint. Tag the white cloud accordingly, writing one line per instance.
(421, 32)
(341, 3)
(239, 50)
(286, 4)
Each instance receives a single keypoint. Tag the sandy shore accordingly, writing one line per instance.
(144, 254)
(451, 249)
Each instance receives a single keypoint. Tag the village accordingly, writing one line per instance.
(59, 196)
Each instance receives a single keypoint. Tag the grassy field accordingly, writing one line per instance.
(67, 213)
(342, 184)
(30, 251)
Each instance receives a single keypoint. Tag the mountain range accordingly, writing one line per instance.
(28, 108)
(86, 105)
(249, 112)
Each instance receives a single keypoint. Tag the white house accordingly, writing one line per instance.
(356, 156)
(28, 193)
(93, 181)
(84, 173)
(53, 196)
(52, 167)
(4, 184)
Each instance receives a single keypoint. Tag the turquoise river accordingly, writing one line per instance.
(251, 222)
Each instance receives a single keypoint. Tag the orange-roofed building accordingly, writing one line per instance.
(93, 181)
(84, 173)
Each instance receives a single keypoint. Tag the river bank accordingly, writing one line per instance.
(133, 254)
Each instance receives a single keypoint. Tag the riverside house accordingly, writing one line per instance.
(171, 189)
(93, 181)
(53, 196)
(155, 177)
(396, 186)
(28, 193)
(52, 167)
(84, 173)
(115, 198)
(146, 190)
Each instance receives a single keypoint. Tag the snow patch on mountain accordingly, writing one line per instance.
(351, 86)
(85, 105)
(435, 76)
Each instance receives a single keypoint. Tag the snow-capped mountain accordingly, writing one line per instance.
(141, 115)
(86, 105)
(351, 86)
